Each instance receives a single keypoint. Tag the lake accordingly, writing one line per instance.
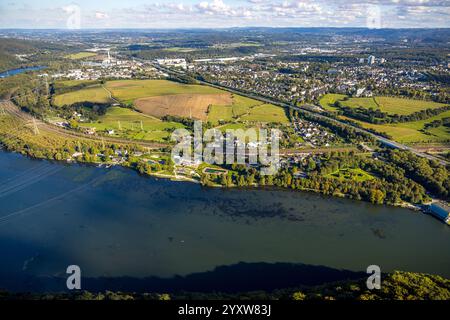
(128, 232)
(13, 72)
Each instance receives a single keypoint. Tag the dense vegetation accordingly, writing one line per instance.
(390, 186)
(430, 174)
(395, 286)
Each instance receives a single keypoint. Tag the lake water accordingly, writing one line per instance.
(13, 72)
(137, 233)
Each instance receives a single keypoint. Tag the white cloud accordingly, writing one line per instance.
(226, 13)
(101, 15)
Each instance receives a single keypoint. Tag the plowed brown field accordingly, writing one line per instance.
(183, 105)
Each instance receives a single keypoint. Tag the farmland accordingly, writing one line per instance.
(128, 91)
(328, 100)
(126, 123)
(412, 132)
(184, 105)
(266, 113)
(390, 105)
(404, 132)
(158, 98)
(80, 55)
(95, 94)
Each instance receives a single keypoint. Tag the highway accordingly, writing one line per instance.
(383, 140)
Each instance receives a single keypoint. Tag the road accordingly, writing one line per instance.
(383, 140)
(12, 109)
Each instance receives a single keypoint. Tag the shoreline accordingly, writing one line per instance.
(102, 165)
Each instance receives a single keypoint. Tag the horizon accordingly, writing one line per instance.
(222, 28)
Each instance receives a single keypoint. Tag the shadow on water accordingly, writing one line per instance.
(239, 277)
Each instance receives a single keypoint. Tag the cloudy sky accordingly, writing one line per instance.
(86, 14)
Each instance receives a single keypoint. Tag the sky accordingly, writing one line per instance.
(88, 14)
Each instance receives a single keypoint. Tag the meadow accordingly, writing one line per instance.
(161, 97)
(80, 55)
(355, 174)
(390, 105)
(412, 132)
(405, 132)
(96, 94)
(266, 113)
(328, 100)
(128, 91)
(126, 123)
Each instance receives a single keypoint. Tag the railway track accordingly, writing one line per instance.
(12, 109)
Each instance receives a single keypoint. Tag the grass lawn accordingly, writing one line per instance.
(405, 106)
(73, 83)
(130, 90)
(241, 106)
(91, 94)
(233, 126)
(391, 105)
(266, 113)
(365, 103)
(80, 55)
(328, 100)
(180, 49)
(355, 174)
(217, 113)
(410, 132)
(130, 125)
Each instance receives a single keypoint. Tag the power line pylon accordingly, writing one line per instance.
(35, 127)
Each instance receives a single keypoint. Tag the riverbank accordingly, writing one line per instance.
(142, 232)
(394, 286)
(389, 187)
(180, 178)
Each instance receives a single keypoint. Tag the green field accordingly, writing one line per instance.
(233, 126)
(130, 90)
(366, 103)
(405, 132)
(95, 94)
(73, 83)
(328, 100)
(80, 55)
(390, 105)
(404, 106)
(412, 132)
(242, 109)
(355, 174)
(179, 49)
(220, 113)
(241, 105)
(130, 125)
(266, 113)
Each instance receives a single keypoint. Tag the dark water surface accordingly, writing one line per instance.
(13, 72)
(120, 228)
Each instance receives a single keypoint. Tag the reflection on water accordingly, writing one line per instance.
(113, 223)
